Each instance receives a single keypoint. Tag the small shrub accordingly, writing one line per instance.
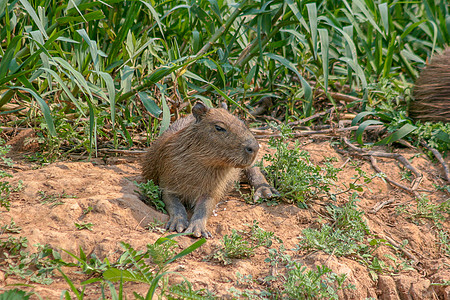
(290, 280)
(37, 267)
(425, 209)
(293, 174)
(343, 237)
(302, 283)
(152, 194)
(84, 225)
(242, 244)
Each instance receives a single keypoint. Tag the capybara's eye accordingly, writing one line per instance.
(218, 128)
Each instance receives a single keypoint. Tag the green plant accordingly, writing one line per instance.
(36, 267)
(5, 186)
(302, 283)
(242, 244)
(10, 228)
(425, 209)
(444, 242)
(84, 225)
(53, 199)
(15, 294)
(149, 267)
(156, 226)
(290, 280)
(152, 194)
(293, 174)
(344, 236)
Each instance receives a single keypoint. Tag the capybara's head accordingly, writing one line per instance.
(222, 139)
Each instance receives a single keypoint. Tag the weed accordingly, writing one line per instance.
(156, 226)
(10, 228)
(242, 244)
(302, 283)
(87, 210)
(152, 194)
(293, 174)
(53, 199)
(251, 291)
(84, 225)
(398, 265)
(184, 290)
(442, 188)
(343, 237)
(356, 185)
(406, 175)
(5, 186)
(290, 280)
(37, 267)
(15, 294)
(425, 209)
(444, 242)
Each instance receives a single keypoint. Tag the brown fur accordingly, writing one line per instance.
(432, 91)
(195, 162)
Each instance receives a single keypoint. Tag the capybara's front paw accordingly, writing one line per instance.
(198, 228)
(266, 192)
(177, 223)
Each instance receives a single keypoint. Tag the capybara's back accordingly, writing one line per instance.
(432, 91)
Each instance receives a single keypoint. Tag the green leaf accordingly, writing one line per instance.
(34, 16)
(87, 17)
(325, 43)
(8, 56)
(188, 250)
(359, 132)
(44, 107)
(65, 88)
(111, 95)
(361, 115)
(14, 294)
(402, 132)
(312, 15)
(166, 111)
(72, 286)
(443, 136)
(149, 104)
(114, 275)
(305, 85)
(155, 15)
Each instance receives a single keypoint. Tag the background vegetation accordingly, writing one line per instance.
(89, 75)
(107, 74)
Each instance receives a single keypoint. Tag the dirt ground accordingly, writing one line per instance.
(118, 214)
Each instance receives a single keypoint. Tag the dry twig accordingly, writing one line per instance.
(440, 159)
(405, 251)
(325, 131)
(399, 157)
(315, 116)
(380, 205)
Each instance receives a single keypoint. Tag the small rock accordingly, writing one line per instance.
(386, 286)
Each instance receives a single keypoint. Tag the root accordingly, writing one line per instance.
(440, 159)
(372, 154)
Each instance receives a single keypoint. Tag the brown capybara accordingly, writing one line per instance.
(196, 160)
(432, 91)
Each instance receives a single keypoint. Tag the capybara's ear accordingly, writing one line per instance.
(224, 105)
(199, 111)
